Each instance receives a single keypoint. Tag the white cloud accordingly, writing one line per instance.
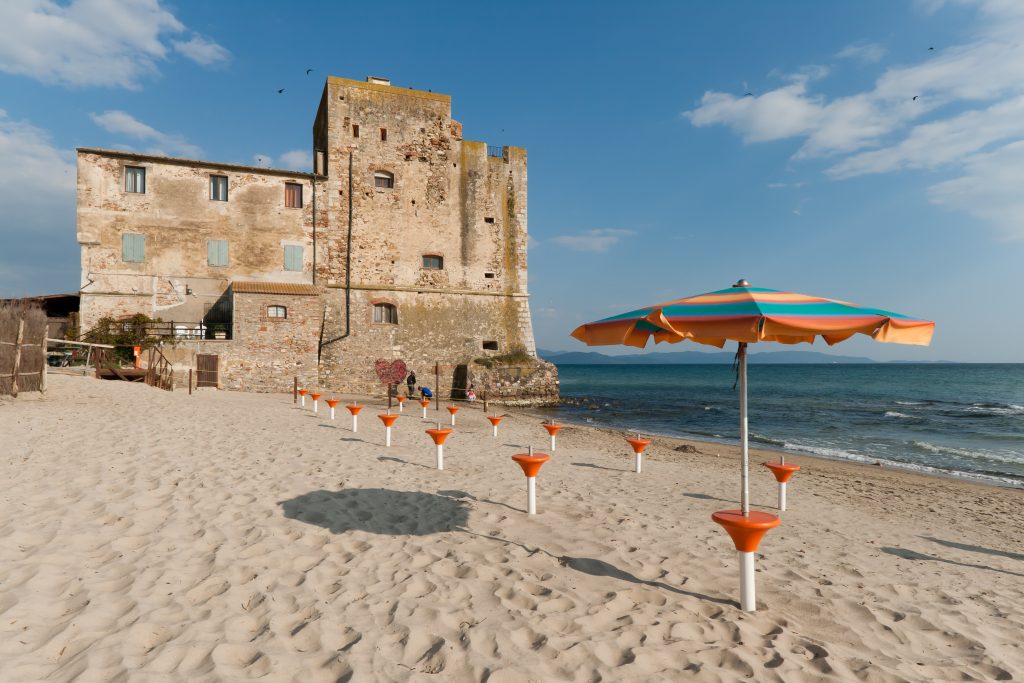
(951, 108)
(863, 52)
(990, 189)
(123, 123)
(601, 239)
(37, 224)
(202, 50)
(108, 43)
(296, 160)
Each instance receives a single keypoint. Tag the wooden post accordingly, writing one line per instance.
(17, 357)
(389, 396)
(295, 389)
(437, 386)
(42, 377)
(190, 381)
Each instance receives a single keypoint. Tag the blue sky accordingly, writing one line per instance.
(652, 174)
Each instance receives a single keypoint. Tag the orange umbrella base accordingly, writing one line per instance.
(639, 444)
(332, 402)
(746, 532)
(552, 429)
(453, 409)
(315, 397)
(354, 409)
(401, 399)
(531, 463)
(781, 471)
(303, 392)
(439, 435)
(425, 403)
(388, 420)
(495, 419)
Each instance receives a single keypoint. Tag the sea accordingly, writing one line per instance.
(964, 420)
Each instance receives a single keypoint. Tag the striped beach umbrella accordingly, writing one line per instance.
(748, 315)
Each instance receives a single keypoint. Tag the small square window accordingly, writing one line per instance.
(277, 312)
(355, 130)
(293, 257)
(293, 195)
(135, 179)
(133, 248)
(219, 188)
(383, 180)
(490, 346)
(217, 253)
(489, 219)
(489, 275)
(433, 262)
(385, 313)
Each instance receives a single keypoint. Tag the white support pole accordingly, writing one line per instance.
(303, 397)
(495, 428)
(744, 445)
(638, 459)
(355, 424)
(782, 496)
(387, 437)
(552, 443)
(424, 412)
(332, 412)
(531, 495)
(440, 457)
(316, 406)
(453, 419)
(747, 602)
(401, 405)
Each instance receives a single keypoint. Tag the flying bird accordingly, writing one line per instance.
(914, 98)
(931, 48)
(309, 71)
(748, 94)
(280, 91)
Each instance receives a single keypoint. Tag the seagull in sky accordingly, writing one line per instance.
(309, 71)
(914, 98)
(931, 48)
(280, 91)
(748, 94)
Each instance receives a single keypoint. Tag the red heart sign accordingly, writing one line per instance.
(390, 372)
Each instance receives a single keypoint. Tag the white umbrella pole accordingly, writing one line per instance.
(744, 446)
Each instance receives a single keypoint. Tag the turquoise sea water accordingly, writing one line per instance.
(961, 419)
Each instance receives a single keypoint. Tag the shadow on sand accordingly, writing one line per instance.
(598, 467)
(378, 511)
(977, 549)
(904, 554)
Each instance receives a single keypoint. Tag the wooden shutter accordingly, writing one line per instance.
(222, 252)
(211, 253)
(292, 257)
(133, 248)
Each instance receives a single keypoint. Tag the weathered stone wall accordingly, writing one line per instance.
(265, 353)
(177, 217)
(451, 198)
(519, 384)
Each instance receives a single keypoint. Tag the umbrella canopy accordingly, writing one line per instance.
(753, 314)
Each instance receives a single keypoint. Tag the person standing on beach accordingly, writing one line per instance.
(410, 383)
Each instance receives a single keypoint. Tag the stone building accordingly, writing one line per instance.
(407, 241)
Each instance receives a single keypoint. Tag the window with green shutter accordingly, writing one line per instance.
(133, 248)
(292, 257)
(217, 252)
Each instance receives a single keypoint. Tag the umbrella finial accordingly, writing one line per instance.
(742, 283)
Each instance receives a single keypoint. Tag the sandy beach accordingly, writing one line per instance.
(156, 536)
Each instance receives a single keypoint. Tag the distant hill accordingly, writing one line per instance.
(694, 358)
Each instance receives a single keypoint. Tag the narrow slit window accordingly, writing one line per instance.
(135, 179)
(219, 188)
(384, 180)
(355, 130)
(433, 262)
(385, 313)
(383, 134)
(489, 275)
(490, 346)
(293, 195)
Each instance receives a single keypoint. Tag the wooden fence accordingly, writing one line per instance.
(23, 333)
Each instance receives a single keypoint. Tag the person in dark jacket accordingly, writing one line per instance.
(410, 383)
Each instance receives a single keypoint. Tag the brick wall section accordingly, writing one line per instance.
(265, 354)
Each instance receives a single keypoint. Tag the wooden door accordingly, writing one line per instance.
(206, 370)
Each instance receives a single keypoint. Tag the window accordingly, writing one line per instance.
(293, 195)
(219, 188)
(355, 130)
(133, 248)
(135, 179)
(489, 219)
(433, 262)
(383, 179)
(383, 134)
(277, 312)
(217, 253)
(490, 346)
(292, 257)
(385, 313)
(489, 275)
